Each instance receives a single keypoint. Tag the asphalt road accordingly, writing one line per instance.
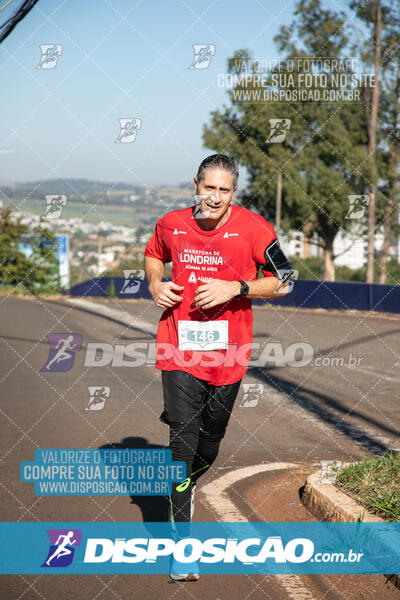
(300, 415)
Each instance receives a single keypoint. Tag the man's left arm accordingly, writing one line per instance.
(267, 288)
(218, 291)
(267, 254)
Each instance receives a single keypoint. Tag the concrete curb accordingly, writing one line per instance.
(328, 503)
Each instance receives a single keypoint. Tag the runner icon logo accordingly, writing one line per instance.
(279, 129)
(62, 547)
(251, 394)
(97, 397)
(133, 279)
(50, 54)
(202, 55)
(62, 351)
(54, 206)
(357, 206)
(128, 130)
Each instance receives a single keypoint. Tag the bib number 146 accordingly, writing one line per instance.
(203, 335)
(195, 335)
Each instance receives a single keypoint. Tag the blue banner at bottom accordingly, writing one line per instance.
(223, 548)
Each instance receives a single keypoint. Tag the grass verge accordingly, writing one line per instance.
(374, 482)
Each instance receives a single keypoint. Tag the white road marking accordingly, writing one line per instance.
(374, 373)
(334, 422)
(217, 497)
(217, 494)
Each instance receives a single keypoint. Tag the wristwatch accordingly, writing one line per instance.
(244, 289)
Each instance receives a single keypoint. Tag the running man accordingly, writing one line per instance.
(205, 332)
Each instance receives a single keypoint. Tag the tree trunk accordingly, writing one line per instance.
(390, 214)
(387, 227)
(372, 144)
(371, 236)
(329, 265)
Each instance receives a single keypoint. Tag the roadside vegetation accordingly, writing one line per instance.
(27, 257)
(374, 482)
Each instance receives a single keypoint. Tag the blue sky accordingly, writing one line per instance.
(121, 59)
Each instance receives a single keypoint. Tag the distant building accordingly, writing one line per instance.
(105, 261)
(349, 248)
(295, 243)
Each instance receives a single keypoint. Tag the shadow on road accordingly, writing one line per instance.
(323, 406)
(22, 339)
(119, 321)
(154, 508)
(350, 344)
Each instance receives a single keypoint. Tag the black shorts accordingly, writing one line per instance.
(188, 399)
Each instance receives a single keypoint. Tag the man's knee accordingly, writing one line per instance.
(209, 442)
(183, 439)
(213, 435)
(184, 428)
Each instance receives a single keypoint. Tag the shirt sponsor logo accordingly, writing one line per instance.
(177, 232)
(227, 235)
(194, 279)
(200, 259)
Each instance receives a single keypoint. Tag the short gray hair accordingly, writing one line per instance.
(219, 161)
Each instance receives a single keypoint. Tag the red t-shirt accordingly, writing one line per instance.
(230, 252)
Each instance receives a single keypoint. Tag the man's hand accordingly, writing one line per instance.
(163, 293)
(214, 292)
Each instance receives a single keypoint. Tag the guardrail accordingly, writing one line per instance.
(342, 295)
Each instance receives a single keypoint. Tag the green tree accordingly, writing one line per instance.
(27, 256)
(389, 189)
(380, 50)
(111, 291)
(323, 159)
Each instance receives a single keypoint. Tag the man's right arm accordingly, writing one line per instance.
(162, 291)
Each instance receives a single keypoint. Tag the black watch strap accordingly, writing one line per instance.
(244, 289)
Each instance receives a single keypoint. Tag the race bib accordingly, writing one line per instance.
(203, 335)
